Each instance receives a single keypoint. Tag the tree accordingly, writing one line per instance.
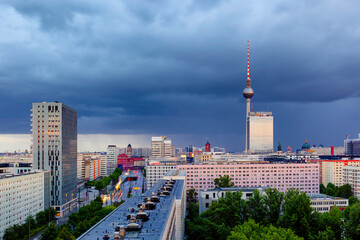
(193, 211)
(257, 207)
(229, 210)
(41, 218)
(297, 213)
(192, 195)
(352, 221)
(331, 190)
(345, 191)
(322, 188)
(223, 181)
(353, 200)
(273, 200)
(65, 234)
(254, 231)
(50, 233)
(332, 220)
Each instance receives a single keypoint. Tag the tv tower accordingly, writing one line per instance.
(248, 93)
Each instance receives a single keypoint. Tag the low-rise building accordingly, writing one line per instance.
(209, 196)
(22, 195)
(323, 203)
(157, 214)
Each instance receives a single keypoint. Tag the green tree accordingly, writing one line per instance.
(192, 195)
(99, 185)
(41, 218)
(251, 230)
(11, 233)
(257, 207)
(352, 221)
(65, 234)
(322, 188)
(297, 213)
(223, 181)
(193, 211)
(333, 220)
(229, 210)
(331, 190)
(353, 200)
(345, 191)
(50, 233)
(273, 200)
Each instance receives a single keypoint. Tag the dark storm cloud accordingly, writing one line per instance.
(178, 67)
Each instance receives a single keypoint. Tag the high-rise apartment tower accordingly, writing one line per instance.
(54, 147)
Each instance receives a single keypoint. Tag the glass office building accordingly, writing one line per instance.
(54, 147)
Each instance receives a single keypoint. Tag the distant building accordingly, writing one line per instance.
(332, 170)
(21, 195)
(260, 132)
(207, 146)
(129, 150)
(130, 163)
(161, 147)
(54, 138)
(157, 168)
(323, 203)
(209, 196)
(351, 175)
(352, 146)
(111, 158)
(259, 125)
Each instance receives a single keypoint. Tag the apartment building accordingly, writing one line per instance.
(351, 175)
(21, 195)
(112, 154)
(282, 176)
(332, 170)
(161, 147)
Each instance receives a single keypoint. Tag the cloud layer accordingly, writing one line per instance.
(179, 67)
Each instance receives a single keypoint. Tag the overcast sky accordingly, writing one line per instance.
(178, 68)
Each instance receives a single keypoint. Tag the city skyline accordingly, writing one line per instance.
(143, 77)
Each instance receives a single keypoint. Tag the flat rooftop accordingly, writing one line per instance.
(324, 197)
(248, 189)
(151, 229)
(9, 175)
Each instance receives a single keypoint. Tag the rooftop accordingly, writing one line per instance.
(6, 175)
(324, 197)
(245, 189)
(151, 229)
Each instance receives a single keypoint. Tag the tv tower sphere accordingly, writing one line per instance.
(248, 92)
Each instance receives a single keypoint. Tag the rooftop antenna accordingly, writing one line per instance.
(252, 106)
(248, 60)
(267, 107)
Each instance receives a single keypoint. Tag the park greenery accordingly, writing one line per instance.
(102, 183)
(79, 222)
(272, 215)
(21, 231)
